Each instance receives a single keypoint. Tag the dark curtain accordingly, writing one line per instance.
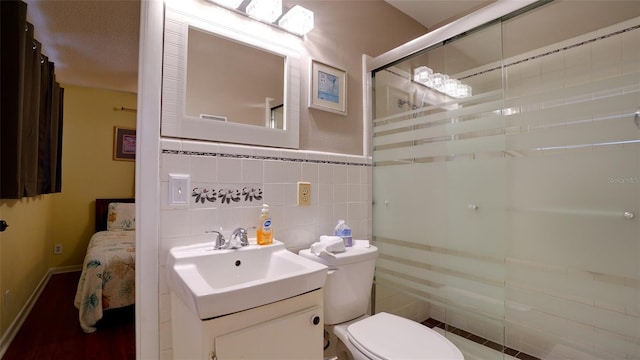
(31, 116)
(44, 137)
(13, 26)
(30, 120)
(54, 142)
(56, 134)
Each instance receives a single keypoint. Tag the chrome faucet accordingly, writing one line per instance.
(237, 239)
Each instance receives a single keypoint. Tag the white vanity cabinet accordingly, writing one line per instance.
(287, 329)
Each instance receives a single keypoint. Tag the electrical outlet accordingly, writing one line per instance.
(304, 193)
(57, 249)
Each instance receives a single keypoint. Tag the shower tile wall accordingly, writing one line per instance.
(340, 189)
(574, 292)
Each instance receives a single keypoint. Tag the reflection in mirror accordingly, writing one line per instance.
(277, 117)
(233, 81)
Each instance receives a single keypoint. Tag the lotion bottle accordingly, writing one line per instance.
(264, 234)
(344, 231)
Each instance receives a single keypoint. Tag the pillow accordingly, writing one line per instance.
(121, 216)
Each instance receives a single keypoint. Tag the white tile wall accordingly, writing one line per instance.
(569, 311)
(340, 188)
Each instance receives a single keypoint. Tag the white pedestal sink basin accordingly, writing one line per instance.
(219, 282)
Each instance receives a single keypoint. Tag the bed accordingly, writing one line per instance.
(108, 271)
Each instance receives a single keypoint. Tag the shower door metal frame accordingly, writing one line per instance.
(478, 18)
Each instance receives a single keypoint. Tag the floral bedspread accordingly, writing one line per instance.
(108, 276)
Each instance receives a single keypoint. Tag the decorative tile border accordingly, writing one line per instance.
(262, 157)
(205, 195)
(226, 195)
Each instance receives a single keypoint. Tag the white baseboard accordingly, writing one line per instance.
(64, 269)
(15, 326)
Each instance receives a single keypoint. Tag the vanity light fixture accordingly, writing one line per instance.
(232, 4)
(265, 10)
(297, 20)
(441, 82)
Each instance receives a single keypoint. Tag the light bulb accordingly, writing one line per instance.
(265, 10)
(233, 4)
(298, 20)
(422, 74)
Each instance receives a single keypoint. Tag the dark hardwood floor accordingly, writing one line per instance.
(52, 331)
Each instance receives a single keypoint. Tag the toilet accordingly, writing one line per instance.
(380, 336)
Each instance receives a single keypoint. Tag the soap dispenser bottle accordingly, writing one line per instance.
(264, 234)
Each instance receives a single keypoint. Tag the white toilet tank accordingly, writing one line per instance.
(348, 285)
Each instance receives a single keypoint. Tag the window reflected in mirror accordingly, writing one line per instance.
(230, 81)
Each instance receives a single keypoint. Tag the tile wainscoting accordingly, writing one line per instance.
(229, 184)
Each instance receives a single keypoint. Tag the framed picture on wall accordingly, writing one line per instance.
(328, 88)
(124, 144)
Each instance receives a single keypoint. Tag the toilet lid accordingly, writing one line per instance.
(387, 336)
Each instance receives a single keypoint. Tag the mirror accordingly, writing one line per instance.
(228, 78)
(249, 82)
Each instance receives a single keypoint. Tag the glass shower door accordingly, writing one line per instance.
(510, 218)
(573, 183)
(440, 190)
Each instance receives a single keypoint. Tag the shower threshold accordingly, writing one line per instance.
(436, 324)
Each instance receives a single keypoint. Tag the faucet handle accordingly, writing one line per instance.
(241, 235)
(221, 242)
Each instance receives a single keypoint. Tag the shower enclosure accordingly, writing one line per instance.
(507, 199)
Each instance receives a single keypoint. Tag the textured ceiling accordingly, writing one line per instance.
(94, 43)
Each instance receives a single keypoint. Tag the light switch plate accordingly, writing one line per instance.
(178, 189)
(304, 193)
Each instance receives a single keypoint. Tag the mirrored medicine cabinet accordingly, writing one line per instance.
(228, 78)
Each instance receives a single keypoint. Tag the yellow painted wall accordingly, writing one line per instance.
(24, 256)
(67, 218)
(88, 168)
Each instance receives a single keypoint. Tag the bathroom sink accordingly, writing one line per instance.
(219, 282)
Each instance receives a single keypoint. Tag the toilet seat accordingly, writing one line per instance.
(385, 336)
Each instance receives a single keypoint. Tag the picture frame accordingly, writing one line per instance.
(328, 88)
(124, 144)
